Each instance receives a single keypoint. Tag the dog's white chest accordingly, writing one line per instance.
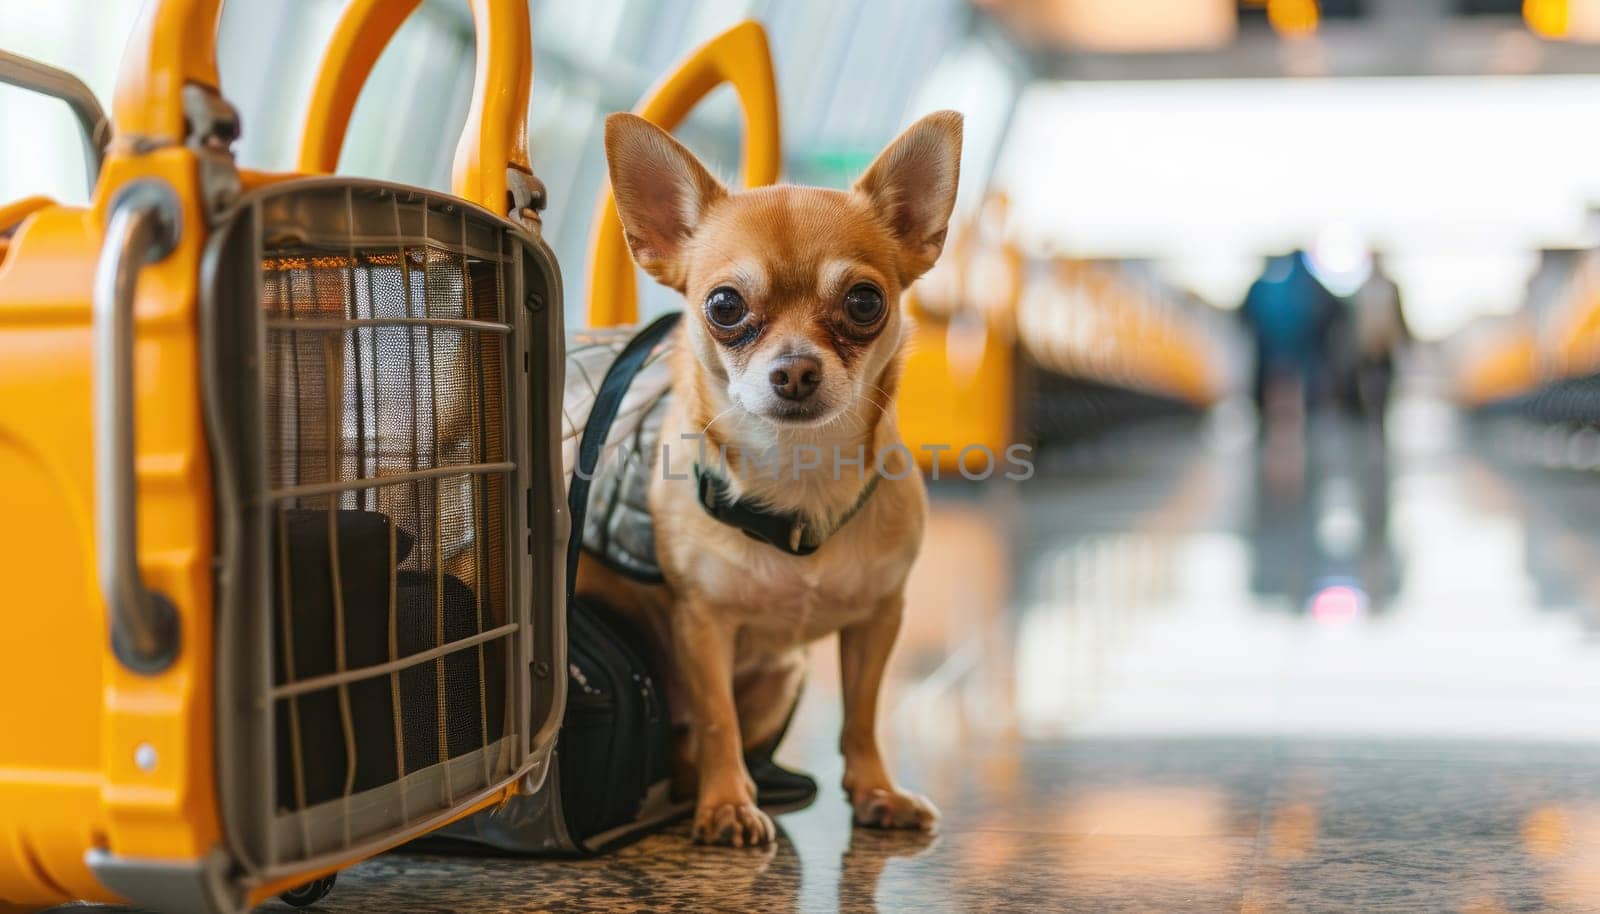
(783, 601)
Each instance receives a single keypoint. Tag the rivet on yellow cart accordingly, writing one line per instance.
(237, 527)
(740, 57)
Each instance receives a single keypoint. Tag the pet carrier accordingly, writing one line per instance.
(611, 782)
(284, 509)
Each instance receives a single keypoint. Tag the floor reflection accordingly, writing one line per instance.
(1134, 684)
(1321, 519)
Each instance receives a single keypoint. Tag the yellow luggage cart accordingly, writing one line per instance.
(283, 495)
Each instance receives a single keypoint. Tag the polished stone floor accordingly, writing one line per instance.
(1175, 672)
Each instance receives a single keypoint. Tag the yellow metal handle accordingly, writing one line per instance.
(739, 56)
(495, 136)
(174, 44)
(143, 229)
(12, 214)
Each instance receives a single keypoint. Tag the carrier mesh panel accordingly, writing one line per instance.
(387, 463)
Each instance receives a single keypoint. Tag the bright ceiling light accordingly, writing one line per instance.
(1563, 20)
(1546, 18)
(1145, 25)
(1340, 258)
(1293, 18)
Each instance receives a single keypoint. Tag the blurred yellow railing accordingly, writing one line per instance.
(1504, 367)
(957, 387)
(1077, 319)
(1561, 341)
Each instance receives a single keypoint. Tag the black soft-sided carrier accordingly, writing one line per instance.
(611, 782)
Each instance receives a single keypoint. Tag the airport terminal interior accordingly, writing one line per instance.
(1257, 392)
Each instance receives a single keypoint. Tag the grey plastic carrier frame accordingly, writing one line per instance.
(350, 232)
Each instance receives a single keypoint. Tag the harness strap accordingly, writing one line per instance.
(785, 530)
(607, 401)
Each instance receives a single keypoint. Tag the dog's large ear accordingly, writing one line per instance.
(913, 184)
(662, 192)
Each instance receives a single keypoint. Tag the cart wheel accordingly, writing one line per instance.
(303, 896)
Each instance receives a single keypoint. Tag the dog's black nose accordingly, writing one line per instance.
(795, 377)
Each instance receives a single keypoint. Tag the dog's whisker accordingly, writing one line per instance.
(714, 419)
(887, 397)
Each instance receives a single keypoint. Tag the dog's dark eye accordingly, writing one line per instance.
(725, 308)
(864, 304)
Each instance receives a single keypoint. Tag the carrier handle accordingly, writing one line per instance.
(142, 229)
(30, 74)
(740, 56)
(173, 46)
(492, 154)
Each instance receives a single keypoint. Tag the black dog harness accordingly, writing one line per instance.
(785, 530)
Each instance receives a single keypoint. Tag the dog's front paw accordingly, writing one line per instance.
(880, 808)
(734, 825)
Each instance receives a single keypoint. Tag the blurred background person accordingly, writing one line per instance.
(1289, 313)
(1380, 333)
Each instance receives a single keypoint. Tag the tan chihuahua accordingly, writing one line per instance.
(784, 504)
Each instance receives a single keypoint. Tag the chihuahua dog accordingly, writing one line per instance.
(785, 370)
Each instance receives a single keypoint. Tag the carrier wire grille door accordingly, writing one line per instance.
(381, 512)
